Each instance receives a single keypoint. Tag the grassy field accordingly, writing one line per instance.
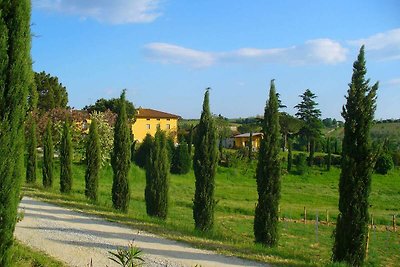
(24, 256)
(300, 244)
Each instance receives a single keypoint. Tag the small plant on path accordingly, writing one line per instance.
(129, 257)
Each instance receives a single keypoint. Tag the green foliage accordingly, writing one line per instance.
(181, 159)
(113, 105)
(157, 184)
(31, 144)
(328, 150)
(310, 116)
(106, 135)
(130, 257)
(121, 159)
(355, 178)
(384, 163)
(290, 156)
(93, 162)
(15, 81)
(204, 164)
(268, 176)
(143, 152)
(48, 155)
(301, 163)
(66, 155)
(52, 94)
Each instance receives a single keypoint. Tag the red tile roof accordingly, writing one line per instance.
(154, 114)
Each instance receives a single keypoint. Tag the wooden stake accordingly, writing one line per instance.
(327, 217)
(305, 215)
(394, 223)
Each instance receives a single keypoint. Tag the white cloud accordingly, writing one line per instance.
(382, 46)
(394, 82)
(173, 54)
(109, 11)
(320, 51)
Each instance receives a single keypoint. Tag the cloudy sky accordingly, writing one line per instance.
(166, 52)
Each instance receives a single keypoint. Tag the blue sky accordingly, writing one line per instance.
(166, 52)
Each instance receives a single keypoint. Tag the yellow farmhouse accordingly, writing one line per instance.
(149, 120)
(242, 140)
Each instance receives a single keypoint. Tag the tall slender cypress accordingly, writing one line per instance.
(204, 164)
(355, 178)
(328, 150)
(268, 176)
(157, 171)
(93, 162)
(66, 160)
(48, 156)
(121, 159)
(15, 80)
(31, 144)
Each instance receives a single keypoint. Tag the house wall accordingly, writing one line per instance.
(241, 142)
(143, 126)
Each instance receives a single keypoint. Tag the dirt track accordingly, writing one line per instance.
(76, 238)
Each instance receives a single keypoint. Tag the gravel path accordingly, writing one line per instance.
(76, 238)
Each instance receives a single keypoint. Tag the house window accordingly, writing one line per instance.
(168, 119)
(168, 126)
(158, 119)
(147, 119)
(148, 126)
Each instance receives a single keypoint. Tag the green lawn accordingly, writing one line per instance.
(24, 256)
(236, 194)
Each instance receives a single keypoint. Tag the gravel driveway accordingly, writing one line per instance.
(76, 238)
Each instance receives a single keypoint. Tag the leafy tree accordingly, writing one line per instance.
(66, 160)
(31, 153)
(157, 184)
(309, 114)
(289, 126)
(204, 164)
(268, 176)
(181, 159)
(52, 94)
(15, 81)
(121, 159)
(93, 162)
(112, 104)
(48, 154)
(384, 163)
(106, 134)
(355, 178)
(143, 152)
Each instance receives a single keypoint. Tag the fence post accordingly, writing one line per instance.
(327, 217)
(394, 222)
(316, 226)
(305, 215)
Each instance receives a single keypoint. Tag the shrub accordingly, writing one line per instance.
(384, 164)
(320, 160)
(181, 159)
(142, 153)
(396, 158)
(300, 160)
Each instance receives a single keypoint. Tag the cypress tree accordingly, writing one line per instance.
(290, 156)
(204, 164)
(93, 162)
(15, 79)
(157, 170)
(66, 160)
(355, 178)
(31, 164)
(181, 159)
(48, 157)
(268, 176)
(329, 159)
(143, 151)
(121, 159)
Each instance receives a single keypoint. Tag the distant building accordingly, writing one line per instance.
(149, 120)
(242, 140)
